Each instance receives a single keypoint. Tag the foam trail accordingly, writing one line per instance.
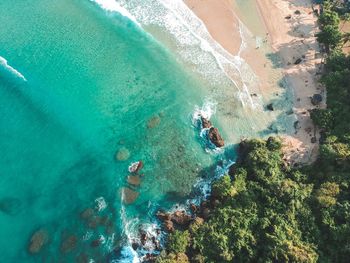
(113, 6)
(207, 110)
(213, 61)
(4, 63)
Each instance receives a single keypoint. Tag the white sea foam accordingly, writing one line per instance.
(113, 6)
(207, 110)
(5, 64)
(196, 47)
(100, 203)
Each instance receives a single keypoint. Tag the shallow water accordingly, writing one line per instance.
(81, 83)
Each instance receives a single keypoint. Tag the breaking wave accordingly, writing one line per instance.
(5, 64)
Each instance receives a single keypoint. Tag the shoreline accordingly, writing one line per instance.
(290, 39)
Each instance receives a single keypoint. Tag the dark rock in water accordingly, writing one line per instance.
(96, 243)
(206, 124)
(156, 243)
(215, 137)
(153, 122)
(163, 216)
(316, 99)
(129, 196)
(296, 124)
(270, 107)
(143, 237)
(87, 213)
(135, 246)
(69, 244)
(94, 221)
(123, 154)
(134, 180)
(298, 61)
(38, 240)
(168, 226)
(313, 140)
(181, 218)
(194, 208)
(139, 166)
(152, 258)
(10, 206)
(82, 258)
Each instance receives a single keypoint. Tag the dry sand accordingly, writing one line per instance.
(220, 20)
(291, 39)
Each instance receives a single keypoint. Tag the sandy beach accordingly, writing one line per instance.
(290, 28)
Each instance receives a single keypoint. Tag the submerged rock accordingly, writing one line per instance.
(215, 137)
(38, 240)
(10, 206)
(134, 180)
(129, 196)
(153, 122)
(87, 213)
(123, 154)
(69, 244)
(205, 123)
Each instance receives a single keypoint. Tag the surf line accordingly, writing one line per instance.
(113, 6)
(5, 64)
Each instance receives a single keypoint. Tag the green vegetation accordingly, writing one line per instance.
(266, 211)
(329, 22)
(265, 220)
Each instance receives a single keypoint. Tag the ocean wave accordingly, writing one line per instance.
(100, 203)
(5, 64)
(113, 6)
(194, 44)
(207, 110)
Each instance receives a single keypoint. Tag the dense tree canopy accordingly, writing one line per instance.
(267, 211)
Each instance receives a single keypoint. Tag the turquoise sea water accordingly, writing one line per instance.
(93, 82)
(79, 84)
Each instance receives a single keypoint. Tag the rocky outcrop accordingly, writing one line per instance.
(129, 195)
(69, 244)
(10, 206)
(87, 213)
(179, 218)
(206, 124)
(153, 122)
(123, 154)
(134, 180)
(168, 225)
(38, 240)
(215, 137)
